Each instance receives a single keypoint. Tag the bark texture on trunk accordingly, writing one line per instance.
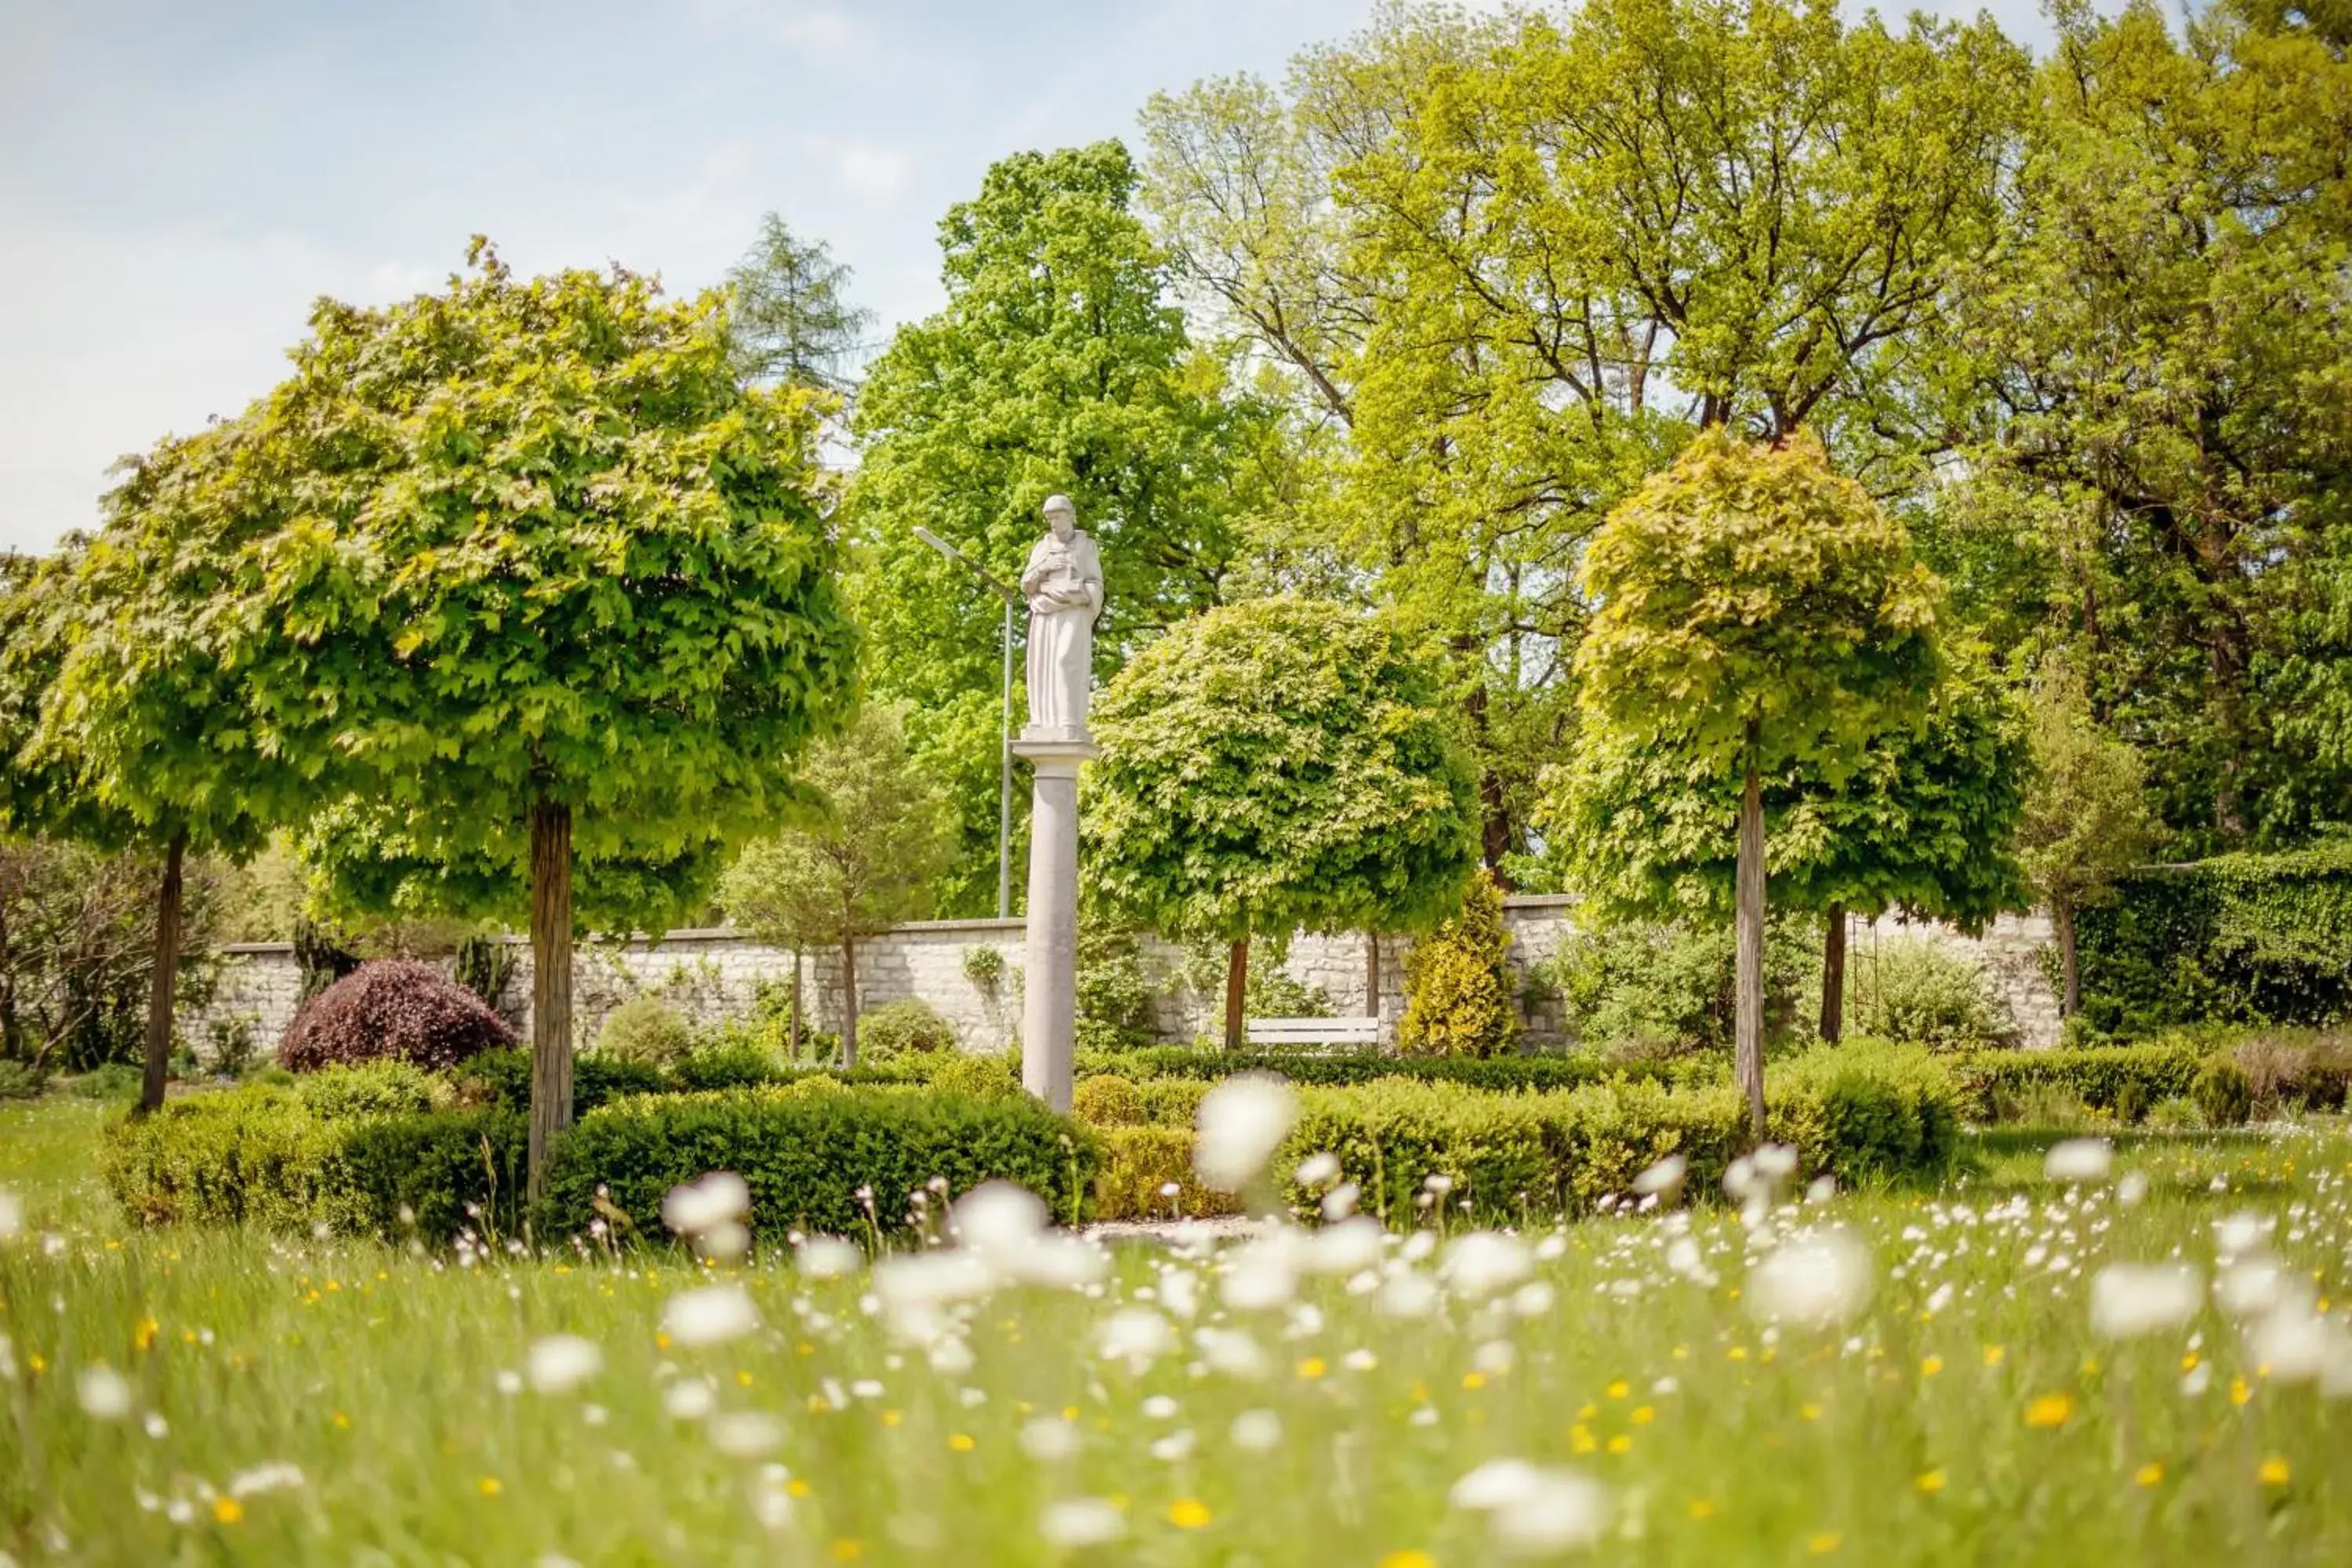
(2070, 967)
(1833, 976)
(1372, 974)
(164, 983)
(848, 1002)
(793, 1028)
(551, 981)
(1748, 993)
(1236, 988)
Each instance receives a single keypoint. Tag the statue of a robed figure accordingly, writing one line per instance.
(1064, 585)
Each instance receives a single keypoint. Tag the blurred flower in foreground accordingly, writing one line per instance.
(1241, 1122)
(2079, 1160)
(561, 1363)
(2128, 1299)
(12, 1214)
(1535, 1512)
(1076, 1523)
(104, 1393)
(1817, 1279)
(709, 1315)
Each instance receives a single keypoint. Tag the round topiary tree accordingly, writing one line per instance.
(395, 1008)
(644, 1029)
(1271, 766)
(908, 1027)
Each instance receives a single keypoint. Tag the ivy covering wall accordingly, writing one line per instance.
(2252, 939)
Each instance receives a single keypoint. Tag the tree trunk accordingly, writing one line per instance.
(848, 1002)
(1748, 1061)
(2070, 967)
(1372, 974)
(1833, 976)
(163, 985)
(792, 1026)
(1237, 987)
(551, 982)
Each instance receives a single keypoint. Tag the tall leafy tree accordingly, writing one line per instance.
(1271, 766)
(557, 587)
(2086, 819)
(866, 859)
(1921, 824)
(789, 315)
(130, 656)
(2166, 340)
(1059, 363)
(1758, 615)
(1524, 258)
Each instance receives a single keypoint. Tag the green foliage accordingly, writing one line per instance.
(1272, 766)
(503, 1078)
(385, 1088)
(2245, 939)
(547, 550)
(975, 1077)
(1921, 993)
(2224, 1095)
(806, 1158)
(789, 317)
(898, 1030)
(644, 1029)
(1113, 993)
(484, 965)
(1060, 364)
(2178, 1114)
(1106, 1100)
(321, 957)
(1638, 990)
(727, 1066)
(1179, 1062)
(1457, 984)
(21, 1081)
(2000, 1085)
(260, 1156)
(108, 1080)
(984, 966)
(1140, 1163)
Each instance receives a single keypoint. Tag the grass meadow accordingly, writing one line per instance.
(1933, 1390)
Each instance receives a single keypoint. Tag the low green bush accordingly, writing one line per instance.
(2224, 1097)
(259, 1155)
(21, 1081)
(2179, 1114)
(644, 1029)
(1364, 1066)
(110, 1080)
(503, 1078)
(977, 1077)
(738, 1065)
(1637, 991)
(1922, 992)
(1994, 1085)
(897, 1030)
(1107, 1100)
(387, 1087)
(807, 1153)
(1139, 1164)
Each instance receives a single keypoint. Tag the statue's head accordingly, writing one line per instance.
(1061, 516)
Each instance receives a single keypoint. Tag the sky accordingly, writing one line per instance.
(178, 181)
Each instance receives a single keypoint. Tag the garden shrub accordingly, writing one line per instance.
(2224, 1095)
(1173, 1101)
(900, 1029)
(393, 1007)
(2109, 1079)
(1457, 985)
(1363, 1067)
(976, 1077)
(805, 1155)
(1113, 993)
(503, 1078)
(2289, 1072)
(112, 1080)
(727, 1065)
(1139, 1162)
(1919, 991)
(1640, 990)
(388, 1088)
(21, 1081)
(644, 1029)
(2241, 939)
(2178, 1114)
(1107, 1100)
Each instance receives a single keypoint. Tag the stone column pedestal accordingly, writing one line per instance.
(1049, 979)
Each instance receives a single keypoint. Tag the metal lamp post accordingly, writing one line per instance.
(1013, 602)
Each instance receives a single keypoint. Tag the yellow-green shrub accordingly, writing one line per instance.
(1458, 989)
(1106, 1101)
(1138, 1161)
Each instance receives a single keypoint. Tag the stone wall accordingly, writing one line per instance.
(714, 974)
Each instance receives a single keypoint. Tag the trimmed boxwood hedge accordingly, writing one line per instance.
(805, 1157)
(1366, 1067)
(2122, 1080)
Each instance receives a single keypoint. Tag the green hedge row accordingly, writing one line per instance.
(2239, 938)
(261, 1155)
(2124, 1081)
(807, 1156)
(267, 1155)
(1885, 1114)
(1366, 1067)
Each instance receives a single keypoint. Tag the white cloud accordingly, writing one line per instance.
(810, 29)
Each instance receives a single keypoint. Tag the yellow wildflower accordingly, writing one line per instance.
(1411, 1557)
(1188, 1513)
(489, 1486)
(961, 1442)
(1931, 1482)
(2274, 1472)
(2147, 1474)
(1312, 1368)
(1822, 1544)
(227, 1509)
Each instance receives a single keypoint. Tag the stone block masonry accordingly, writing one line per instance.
(712, 975)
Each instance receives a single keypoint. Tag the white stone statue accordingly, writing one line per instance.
(1064, 585)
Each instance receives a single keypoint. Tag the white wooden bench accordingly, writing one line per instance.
(1292, 1032)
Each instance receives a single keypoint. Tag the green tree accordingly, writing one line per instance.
(2086, 820)
(1922, 822)
(2166, 341)
(1058, 365)
(871, 859)
(132, 720)
(558, 589)
(1522, 258)
(789, 318)
(1457, 983)
(1272, 766)
(1757, 615)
